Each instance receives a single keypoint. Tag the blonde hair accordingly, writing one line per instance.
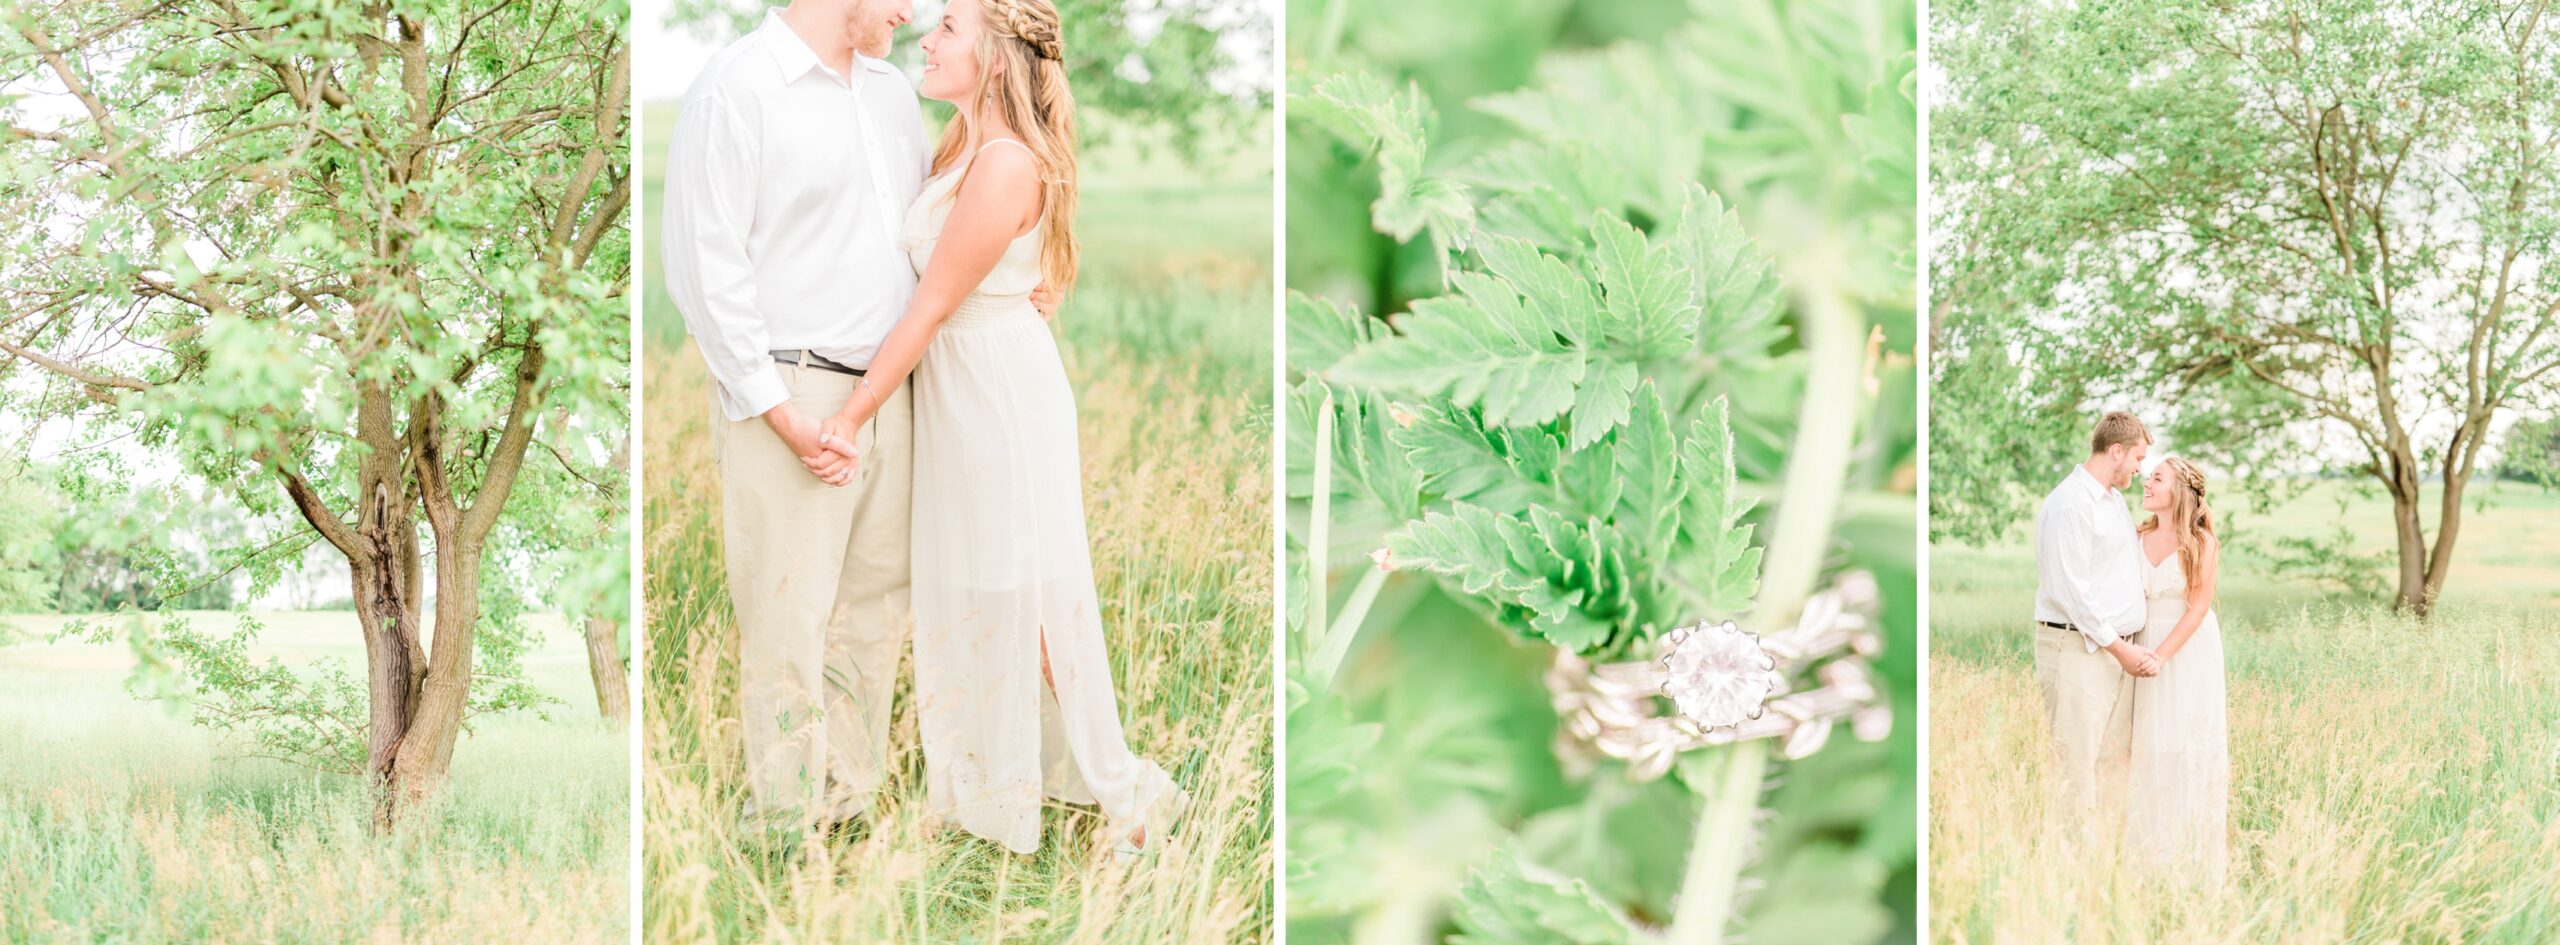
(2118, 428)
(2189, 513)
(1030, 92)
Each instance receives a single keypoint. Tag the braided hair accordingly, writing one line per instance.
(1029, 90)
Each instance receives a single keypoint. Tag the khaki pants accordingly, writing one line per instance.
(819, 578)
(2088, 698)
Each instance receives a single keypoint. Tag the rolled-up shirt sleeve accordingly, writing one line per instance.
(710, 195)
(2064, 562)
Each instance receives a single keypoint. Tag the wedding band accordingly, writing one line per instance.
(1723, 685)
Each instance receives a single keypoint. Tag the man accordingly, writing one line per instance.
(788, 177)
(2088, 602)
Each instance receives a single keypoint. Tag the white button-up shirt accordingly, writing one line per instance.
(2088, 561)
(786, 187)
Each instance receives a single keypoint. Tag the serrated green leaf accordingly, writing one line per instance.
(1483, 347)
(1646, 294)
(1561, 300)
(1653, 125)
(1465, 462)
(1548, 188)
(1539, 568)
(1649, 465)
(1321, 332)
(1365, 464)
(1601, 405)
(1570, 555)
(1728, 571)
(1731, 282)
(1361, 108)
(1508, 901)
(1469, 545)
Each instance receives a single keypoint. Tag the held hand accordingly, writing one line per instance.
(2138, 661)
(837, 458)
(1045, 299)
(807, 440)
(2135, 660)
(842, 458)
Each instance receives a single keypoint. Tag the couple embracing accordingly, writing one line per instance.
(2129, 653)
(894, 430)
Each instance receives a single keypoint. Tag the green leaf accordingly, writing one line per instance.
(1360, 108)
(1562, 301)
(1731, 282)
(1365, 463)
(1464, 461)
(1473, 547)
(1538, 569)
(1548, 188)
(1602, 402)
(1508, 901)
(1729, 567)
(1579, 566)
(1320, 332)
(1650, 309)
(1648, 459)
(1483, 347)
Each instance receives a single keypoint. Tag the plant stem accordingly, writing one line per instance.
(1337, 638)
(1826, 433)
(1721, 845)
(1818, 466)
(1320, 533)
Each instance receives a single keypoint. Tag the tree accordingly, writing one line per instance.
(2319, 236)
(337, 258)
(2532, 451)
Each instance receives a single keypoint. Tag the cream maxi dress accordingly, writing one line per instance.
(1001, 563)
(2178, 796)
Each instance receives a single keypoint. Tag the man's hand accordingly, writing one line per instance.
(1045, 299)
(828, 457)
(2136, 660)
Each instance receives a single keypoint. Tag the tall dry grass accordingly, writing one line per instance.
(2393, 780)
(1168, 346)
(120, 822)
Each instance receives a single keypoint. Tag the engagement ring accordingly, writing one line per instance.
(1722, 685)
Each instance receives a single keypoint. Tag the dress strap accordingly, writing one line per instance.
(1016, 142)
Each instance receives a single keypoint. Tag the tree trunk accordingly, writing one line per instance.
(2440, 560)
(426, 749)
(604, 665)
(387, 610)
(2401, 481)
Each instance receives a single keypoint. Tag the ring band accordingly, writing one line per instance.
(1724, 685)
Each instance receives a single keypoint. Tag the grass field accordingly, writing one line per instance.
(121, 822)
(1168, 342)
(2393, 780)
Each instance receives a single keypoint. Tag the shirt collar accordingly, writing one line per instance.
(791, 55)
(2097, 489)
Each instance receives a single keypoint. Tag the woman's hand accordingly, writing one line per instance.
(1046, 299)
(841, 458)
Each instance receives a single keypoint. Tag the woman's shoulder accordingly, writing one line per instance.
(1004, 165)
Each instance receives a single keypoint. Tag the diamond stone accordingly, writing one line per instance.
(1718, 674)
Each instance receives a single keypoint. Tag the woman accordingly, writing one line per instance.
(1013, 687)
(2179, 793)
